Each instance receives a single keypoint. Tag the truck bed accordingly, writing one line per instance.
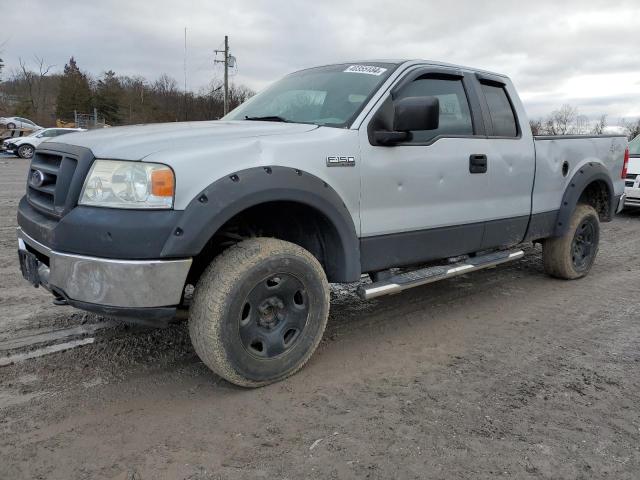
(560, 157)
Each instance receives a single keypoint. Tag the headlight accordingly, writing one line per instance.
(118, 184)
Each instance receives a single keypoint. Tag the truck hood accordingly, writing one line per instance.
(138, 141)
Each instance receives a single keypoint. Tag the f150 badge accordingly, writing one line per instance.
(341, 161)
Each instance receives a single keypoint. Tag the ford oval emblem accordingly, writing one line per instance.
(36, 178)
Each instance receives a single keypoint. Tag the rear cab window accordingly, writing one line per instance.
(503, 119)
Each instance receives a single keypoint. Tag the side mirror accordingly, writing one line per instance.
(416, 113)
(395, 120)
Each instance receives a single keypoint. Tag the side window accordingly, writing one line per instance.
(500, 110)
(455, 116)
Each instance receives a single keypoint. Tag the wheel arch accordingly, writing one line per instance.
(592, 185)
(323, 223)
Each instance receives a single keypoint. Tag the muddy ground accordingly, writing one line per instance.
(501, 373)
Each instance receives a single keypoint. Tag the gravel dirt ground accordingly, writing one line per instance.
(502, 373)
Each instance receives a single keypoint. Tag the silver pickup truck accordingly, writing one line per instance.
(408, 172)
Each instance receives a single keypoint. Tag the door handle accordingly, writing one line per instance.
(478, 163)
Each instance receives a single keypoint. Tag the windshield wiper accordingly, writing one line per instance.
(268, 118)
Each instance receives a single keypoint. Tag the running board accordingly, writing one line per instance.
(403, 281)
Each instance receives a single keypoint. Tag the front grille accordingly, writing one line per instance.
(50, 177)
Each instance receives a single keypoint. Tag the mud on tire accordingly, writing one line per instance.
(572, 255)
(259, 311)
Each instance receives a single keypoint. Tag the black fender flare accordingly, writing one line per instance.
(231, 195)
(586, 174)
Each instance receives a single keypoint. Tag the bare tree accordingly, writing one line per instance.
(34, 82)
(165, 89)
(2, 44)
(536, 127)
(3, 105)
(598, 128)
(632, 127)
(581, 126)
(561, 122)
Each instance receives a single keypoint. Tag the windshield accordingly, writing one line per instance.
(634, 146)
(331, 95)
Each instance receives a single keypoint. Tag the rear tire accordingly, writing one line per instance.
(572, 255)
(259, 311)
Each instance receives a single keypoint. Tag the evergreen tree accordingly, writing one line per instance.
(74, 92)
(108, 97)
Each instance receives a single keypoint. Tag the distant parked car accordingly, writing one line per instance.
(632, 180)
(24, 147)
(13, 123)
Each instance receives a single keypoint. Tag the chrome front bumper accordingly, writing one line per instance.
(109, 282)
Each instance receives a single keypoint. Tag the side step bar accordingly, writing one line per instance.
(403, 281)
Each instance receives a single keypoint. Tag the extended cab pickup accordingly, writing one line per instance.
(408, 171)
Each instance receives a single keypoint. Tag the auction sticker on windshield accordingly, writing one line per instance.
(368, 69)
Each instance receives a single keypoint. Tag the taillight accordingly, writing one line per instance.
(625, 164)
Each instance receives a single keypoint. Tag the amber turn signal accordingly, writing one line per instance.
(162, 182)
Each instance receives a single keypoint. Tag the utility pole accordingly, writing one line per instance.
(185, 74)
(226, 72)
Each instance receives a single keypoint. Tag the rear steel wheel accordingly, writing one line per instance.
(584, 244)
(572, 255)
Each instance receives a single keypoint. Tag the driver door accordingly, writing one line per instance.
(424, 199)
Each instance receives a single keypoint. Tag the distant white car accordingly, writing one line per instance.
(24, 147)
(12, 123)
(632, 180)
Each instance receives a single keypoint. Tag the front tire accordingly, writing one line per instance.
(572, 255)
(26, 151)
(259, 311)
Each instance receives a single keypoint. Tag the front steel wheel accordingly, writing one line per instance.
(259, 311)
(274, 315)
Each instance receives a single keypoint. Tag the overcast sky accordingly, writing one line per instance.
(586, 53)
